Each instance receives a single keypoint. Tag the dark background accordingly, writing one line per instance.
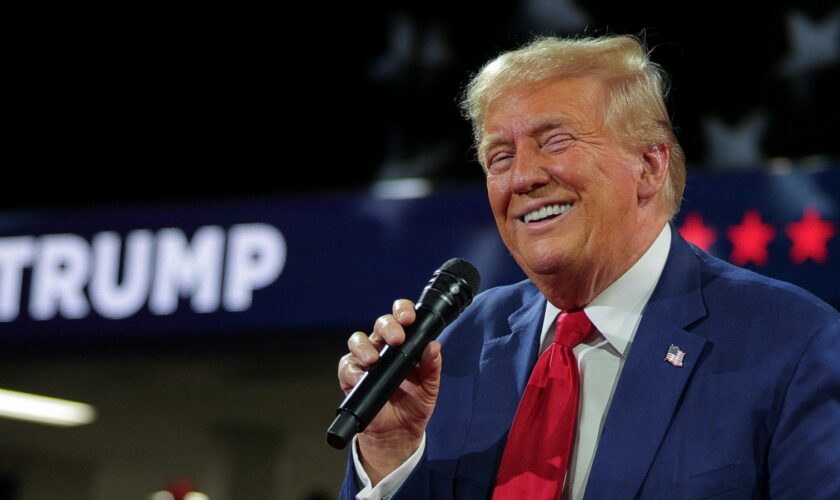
(170, 103)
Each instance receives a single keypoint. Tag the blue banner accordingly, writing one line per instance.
(334, 262)
(780, 225)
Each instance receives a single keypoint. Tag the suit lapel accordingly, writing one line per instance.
(505, 365)
(649, 389)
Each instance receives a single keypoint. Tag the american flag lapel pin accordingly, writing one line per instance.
(675, 356)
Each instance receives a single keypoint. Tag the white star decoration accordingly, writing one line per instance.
(408, 42)
(554, 15)
(736, 146)
(401, 40)
(813, 44)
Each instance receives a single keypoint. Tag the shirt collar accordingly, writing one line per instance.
(617, 311)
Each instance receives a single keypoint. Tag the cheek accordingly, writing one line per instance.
(618, 182)
(619, 204)
(499, 196)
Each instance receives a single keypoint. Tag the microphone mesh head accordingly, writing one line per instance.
(465, 271)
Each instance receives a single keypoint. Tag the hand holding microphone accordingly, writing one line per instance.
(392, 377)
(396, 431)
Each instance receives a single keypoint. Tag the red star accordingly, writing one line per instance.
(695, 231)
(810, 238)
(750, 239)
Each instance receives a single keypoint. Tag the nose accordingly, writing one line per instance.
(529, 169)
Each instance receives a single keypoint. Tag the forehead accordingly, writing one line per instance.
(578, 102)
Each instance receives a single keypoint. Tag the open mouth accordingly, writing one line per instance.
(547, 212)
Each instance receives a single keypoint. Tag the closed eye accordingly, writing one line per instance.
(557, 143)
(499, 162)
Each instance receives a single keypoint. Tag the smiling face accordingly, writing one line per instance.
(571, 202)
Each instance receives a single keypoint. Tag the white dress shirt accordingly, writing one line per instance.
(616, 313)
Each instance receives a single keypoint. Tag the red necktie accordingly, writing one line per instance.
(539, 445)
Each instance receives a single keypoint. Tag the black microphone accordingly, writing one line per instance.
(448, 293)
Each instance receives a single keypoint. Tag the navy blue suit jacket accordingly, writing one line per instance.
(753, 413)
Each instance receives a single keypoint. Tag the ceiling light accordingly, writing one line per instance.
(44, 410)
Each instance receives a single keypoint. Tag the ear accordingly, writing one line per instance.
(654, 171)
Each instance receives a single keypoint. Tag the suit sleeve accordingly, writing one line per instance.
(804, 455)
(351, 483)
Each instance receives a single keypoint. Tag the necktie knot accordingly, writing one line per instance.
(573, 326)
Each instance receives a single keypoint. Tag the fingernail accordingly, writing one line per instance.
(402, 315)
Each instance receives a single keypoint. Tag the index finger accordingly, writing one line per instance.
(403, 310)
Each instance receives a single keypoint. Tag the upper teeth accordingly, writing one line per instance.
(547, 211)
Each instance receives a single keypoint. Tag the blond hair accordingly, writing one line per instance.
(636, 89)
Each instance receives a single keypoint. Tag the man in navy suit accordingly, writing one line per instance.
(701, 380)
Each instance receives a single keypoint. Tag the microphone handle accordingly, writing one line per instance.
(380, 382)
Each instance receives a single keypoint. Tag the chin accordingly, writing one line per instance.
(541, 264)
